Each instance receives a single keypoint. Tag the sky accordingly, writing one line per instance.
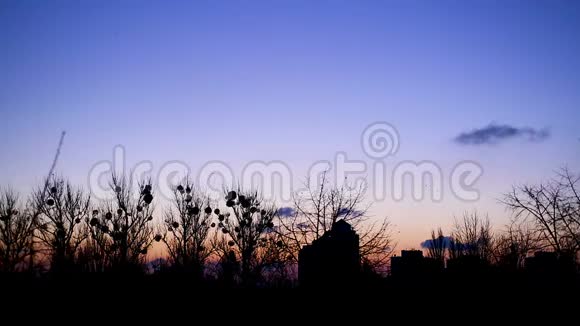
(295, 82)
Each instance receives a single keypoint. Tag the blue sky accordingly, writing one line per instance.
(294, 81)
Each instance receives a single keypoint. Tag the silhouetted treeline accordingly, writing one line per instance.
(242, 240)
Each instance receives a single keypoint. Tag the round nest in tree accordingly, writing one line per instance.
(146, 189)
(148, 198)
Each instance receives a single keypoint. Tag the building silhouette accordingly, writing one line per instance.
(545, 262)
(412, 264)
(331, 260)
(467, 264)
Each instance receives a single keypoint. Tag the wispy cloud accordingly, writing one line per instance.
(494, 134)
(350, 212)
(286, 211)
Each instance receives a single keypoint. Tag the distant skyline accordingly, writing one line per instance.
(494, 82)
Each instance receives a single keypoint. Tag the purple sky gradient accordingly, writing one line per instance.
(294, 81)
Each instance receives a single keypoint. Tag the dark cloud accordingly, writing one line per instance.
(494, 134)
(428, 244)
(286, 211)
(272, 230)
(350, 213)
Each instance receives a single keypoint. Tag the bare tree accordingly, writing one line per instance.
(91, 256)
(276, 267)
(60, 214)
(186, 229)
(554, 210)
(438, 247)
(319, 207)
(122, 229)
(377, 244)
(16, 233)
(513, 244)
(472, 236)
(245, 227)
(570, 211)
(228, 265)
